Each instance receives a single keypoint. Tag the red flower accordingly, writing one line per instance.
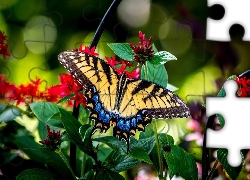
(244, 87)
(79, 98)
(53, 139)
(87, 50)
(136, 73)
(2, 37)
(127, 64)
(112, 61)
(54, 93)
(144, 52)
(121, 70)
(4, 50)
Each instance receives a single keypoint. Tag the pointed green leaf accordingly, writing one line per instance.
(173, 163)
(165, 139)
(233, 172)
(222, 92)
(66, 98)
(154, 48)
(221, 120)
(85, 131)
(72, 127)
(156, 74)
(187, 167)
(162, 57)
(9, 114)
(44, 110)
(137, 149)
(171, 87)
(2, 107)
(119, 163)
(34, 174)
(123, 50)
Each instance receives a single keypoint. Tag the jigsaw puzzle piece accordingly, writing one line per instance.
(218, 30)
(232, 135)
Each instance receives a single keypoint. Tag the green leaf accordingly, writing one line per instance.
(165, 139)
(119, 163)
(31, 148)
(173, 163)
(88, 175)
(154, 48)
(233, 172)
(221, 120)
(171, 87)
(34, 174)
(2, 107)
(123, 50)
(137, 149)
(72, 127)
(162, 57)
(108, 175)
(8, 156)
(147, 133)
(85, 131)
(83, 115)
(44, 110)
(187, 166)
(156, 74)
(9, 114)
(222, 92)
(65, 98)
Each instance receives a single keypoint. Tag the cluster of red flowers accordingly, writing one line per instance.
(53, 139)
(244, 87)
(134, 75)
(144, 52)
(3, 45)
(24, 93)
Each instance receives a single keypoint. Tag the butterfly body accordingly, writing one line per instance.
(127, 104)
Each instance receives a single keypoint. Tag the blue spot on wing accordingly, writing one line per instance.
(102, 115)
(126, 126)
(106, 118)
(133, 122)
(98, 107)
(95, 99)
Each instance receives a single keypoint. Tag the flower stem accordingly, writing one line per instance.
(213, 169)
(66, 162)
(146, 70)
(83, 164)
(156, 135)
(158, 150)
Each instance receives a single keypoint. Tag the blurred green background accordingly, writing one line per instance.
(38, 30)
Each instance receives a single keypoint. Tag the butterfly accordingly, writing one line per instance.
(112, 99)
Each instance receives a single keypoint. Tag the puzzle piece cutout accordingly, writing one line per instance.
(233, 136)
(235, 12)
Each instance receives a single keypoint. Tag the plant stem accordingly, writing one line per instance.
(66, 162)
(146, 70)
(158, 150)
(83, 163)
(156, 136)
(213, 169)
